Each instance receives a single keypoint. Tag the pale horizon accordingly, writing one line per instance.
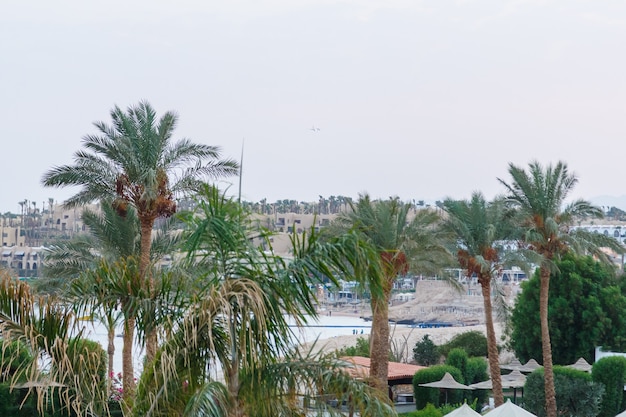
(416, 99)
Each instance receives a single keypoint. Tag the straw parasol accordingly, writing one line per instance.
(508, 409)
(463, 411)
(530, 366)
(447, 382)
(581, 364)
(513, 365)
(514, 380)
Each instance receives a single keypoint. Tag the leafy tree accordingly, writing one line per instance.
(134, 162)
(478, 227)
(401, 244)
(576, 394)
(538, 196)
(425, 352)
(611, 372)
(472, 342)
(585, 296)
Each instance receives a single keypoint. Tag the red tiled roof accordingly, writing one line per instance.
(396, 371)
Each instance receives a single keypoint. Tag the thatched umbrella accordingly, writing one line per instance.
(447, 382)
(581, 364)
(513, 365)
(508, 409)
(463, 411)
(530, 366)
(514, 380)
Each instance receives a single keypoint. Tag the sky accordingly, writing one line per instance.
(417, 99)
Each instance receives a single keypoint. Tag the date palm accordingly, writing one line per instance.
(135, 162)
(403, 242)
(545, 219)
(98, 273)
(232, 353)
(479, 227)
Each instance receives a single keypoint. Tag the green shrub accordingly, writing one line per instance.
(473, 342)
(610, 371)
(426, 352)
(457, 357)
(428, 411)
(476, 371)
(577, 395)
(436, 396)
(362, 348)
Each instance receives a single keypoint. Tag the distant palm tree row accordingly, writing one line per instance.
(213, 320)
(330, 205)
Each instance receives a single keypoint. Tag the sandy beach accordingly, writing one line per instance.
(432, 301)
(403, 338)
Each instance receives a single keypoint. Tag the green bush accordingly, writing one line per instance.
(426, 352)
(473, 342)
(476, 371)
(362, 348)
(610, 371)
(436, 396)
(458, 357)
(577, 395)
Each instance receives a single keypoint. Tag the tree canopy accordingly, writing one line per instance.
(586, 309)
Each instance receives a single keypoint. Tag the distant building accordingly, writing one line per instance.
(25, 261)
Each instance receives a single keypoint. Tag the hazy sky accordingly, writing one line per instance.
(419, 99)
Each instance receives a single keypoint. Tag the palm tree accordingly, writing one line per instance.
(233, 352)
(478, 227)
(539, 196)
(134, 162)
(401, 244)
(95, 271)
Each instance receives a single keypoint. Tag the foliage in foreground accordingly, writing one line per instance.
(73, 371)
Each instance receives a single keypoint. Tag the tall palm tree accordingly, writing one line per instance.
(540, 195)
(479, 227)
(94, 271)
(135, 162)
(402, 243)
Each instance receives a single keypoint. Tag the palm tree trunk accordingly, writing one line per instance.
(492, 346)
(379, 343)
(111, 354)
(546, 346)
(128, 371)
(147, 225)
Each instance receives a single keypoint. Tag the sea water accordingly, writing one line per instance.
(324, 327)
